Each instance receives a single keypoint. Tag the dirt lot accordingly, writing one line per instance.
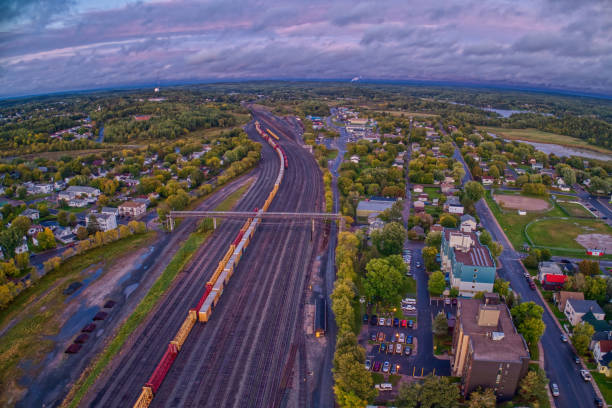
(517, 202)
(596, 241)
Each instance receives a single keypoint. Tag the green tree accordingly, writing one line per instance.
(8, 269)
(389, 240)
(353, 384)
(440, 324)
(501, 286)
(433, 392)
(588, 267)
(429, 257)
(581, 337)
(21, 224)
(528, 321)
(532, 387)
(384, 281)
(62, 218)
(436, 284)
(483, 399)
(10, 239)
(23, 261)
(474, 190)
(434, 239)
(448, 221)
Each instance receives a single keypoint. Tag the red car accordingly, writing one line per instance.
(376, 366)
(404, 323)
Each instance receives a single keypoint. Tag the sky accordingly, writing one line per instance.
(59, 45)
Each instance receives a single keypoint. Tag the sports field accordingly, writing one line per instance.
(518, 202)
(575, 209)
(563, 233)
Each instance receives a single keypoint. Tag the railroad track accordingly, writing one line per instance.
(234, 359)
(137, 361)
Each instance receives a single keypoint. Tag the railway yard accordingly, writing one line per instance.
(252, 347)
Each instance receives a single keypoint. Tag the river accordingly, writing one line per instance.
(560, 150)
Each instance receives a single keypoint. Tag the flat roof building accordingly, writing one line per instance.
(487, 350)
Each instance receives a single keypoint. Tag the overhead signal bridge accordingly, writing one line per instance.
(300, 216)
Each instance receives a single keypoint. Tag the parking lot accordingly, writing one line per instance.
(390, 346)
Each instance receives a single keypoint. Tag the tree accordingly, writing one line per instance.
(501, 286)
(496, 249)
(72, 219)
(389, 240)
(52, 263)
(433, 392)
(353, 384)
(393, 214)
(429, 257)
(92, 224)
(46, 239)
(62, 218)
(384, 282)
(528, 321)
(434, 239)
(440, 324)
(10, 239)
(82, 233)
(474, 190)
(342, 296)
(8, 269)
(22, 260)
(21, 224)
(483, 399)
(533, 386)
(436, 284)
(581, 337)
(448, 221)
(588, 268)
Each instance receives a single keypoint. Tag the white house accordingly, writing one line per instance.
(105, 221)
(487, 181)
(31, 214)
(575, 309)
(78, 192)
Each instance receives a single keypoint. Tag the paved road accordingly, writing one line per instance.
(600, 204)
(558, 357)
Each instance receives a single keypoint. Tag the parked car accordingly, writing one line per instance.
(407, 350)
(554, 389)
(381, 321)
(410, 324)
(373, 320)
(383, 347)
(368, 365)
(365, 318)
(390, 348)
(409, 339)
(389, 321)
(409, 300)
(564, 338)
(395, 322)
(381, 336)
(398, 348)
(384, 386)
(393, 369)
(586, 376)
(447, 301)
(402, 338)
(577, 360)
(404, 323)
(376, 366)
(598, 402)
(454, 301)
(386, 367)
(373, 336)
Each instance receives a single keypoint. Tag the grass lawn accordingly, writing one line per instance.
(442, 344)
(562, 233)
(575, 210)
(411, 286)
(43, 303)
(159, 288)
(605, 385)
(433, 192)
(534, 135)
(514, 224)
(378, 378)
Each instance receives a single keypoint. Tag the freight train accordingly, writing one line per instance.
(214, 287)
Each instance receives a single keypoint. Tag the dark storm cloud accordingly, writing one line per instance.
(545, 42)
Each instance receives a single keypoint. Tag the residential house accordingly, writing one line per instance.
(110, 210)
(537, 166)
(453, 205)
(470, 265)
(575, 309)
(417, 188)
(23, 247)
(373, 206)
(548, 268)
(85, 192)
(553, 282)
(132, 209)
(105, 221)
(602, 352)
(446, 188)
(563, 296)
(31, 214)
(419, 206)
(34, 230)
(487, 350)
(423, 197)
(375, 223)
(468, 224)
(355, 159)
(418, 231)
(78, 202)
(487, 181)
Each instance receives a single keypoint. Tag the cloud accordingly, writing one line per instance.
(82, 45)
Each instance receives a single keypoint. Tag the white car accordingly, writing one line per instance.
(586, 376)
(402, 338)
(409, 300)
(554, 389)
(384, 387)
